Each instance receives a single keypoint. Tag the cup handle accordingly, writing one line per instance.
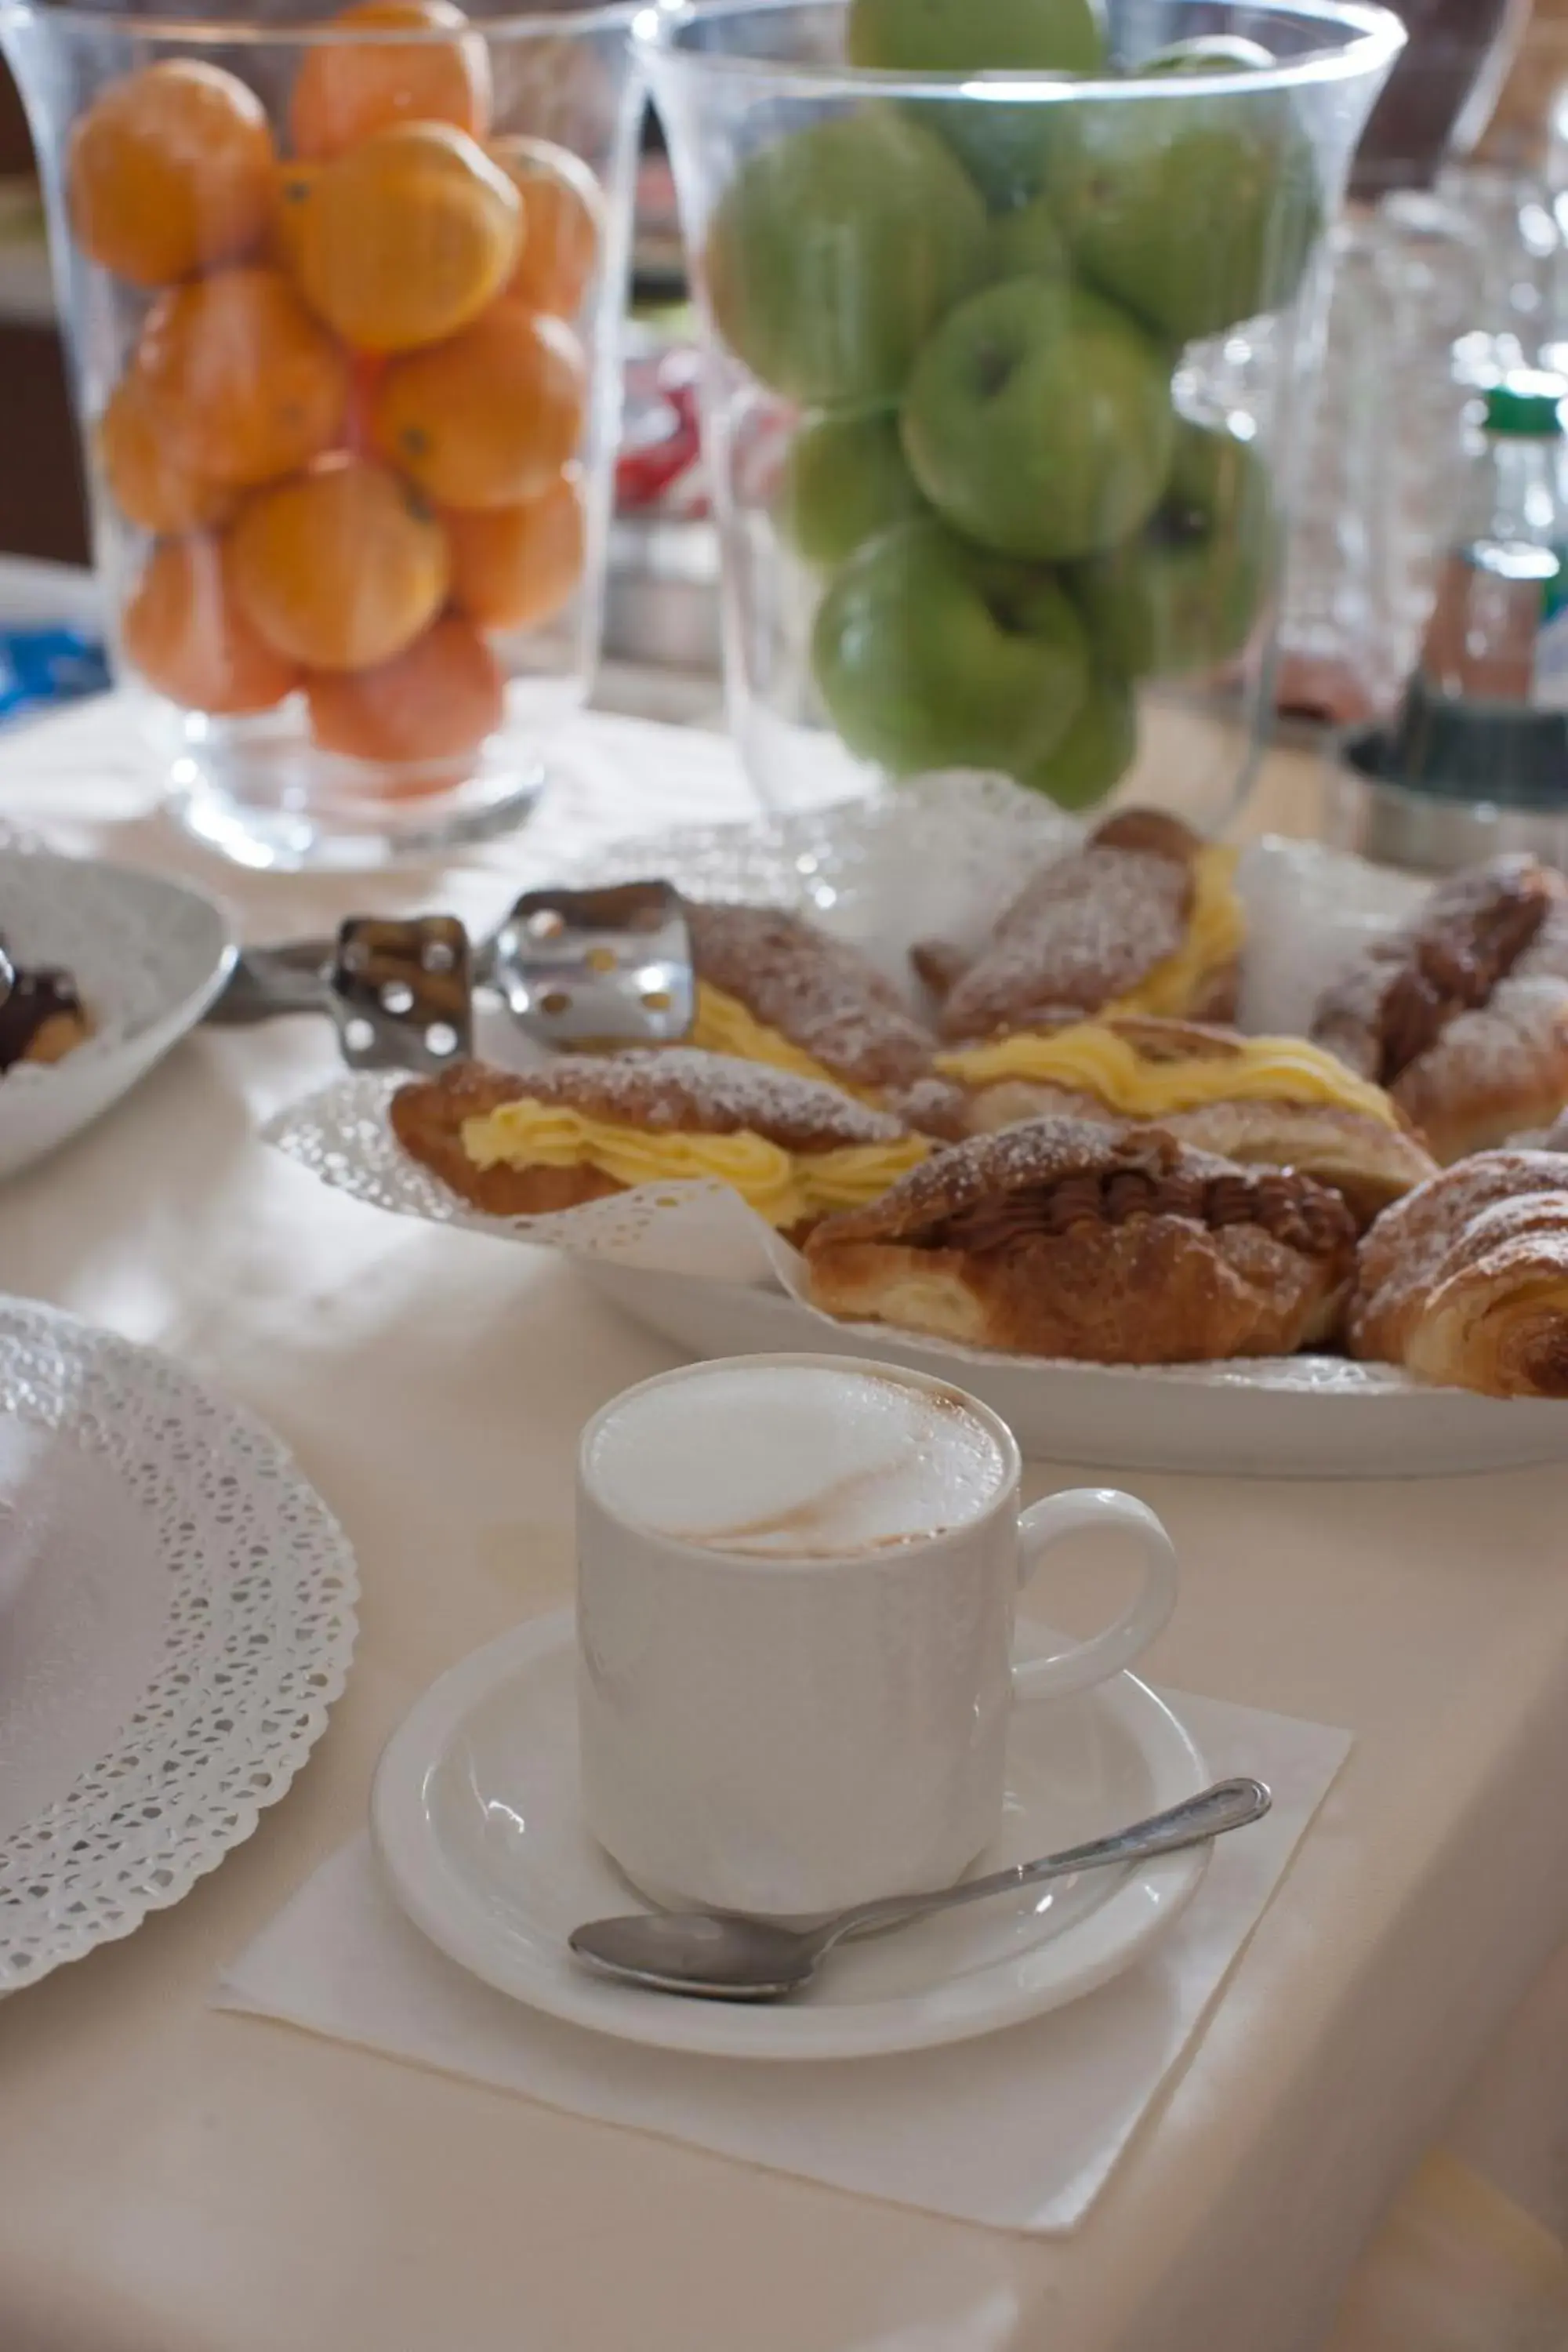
(1106, 1654)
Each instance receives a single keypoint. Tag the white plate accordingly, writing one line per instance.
(938, 856)
(149, 956)
(1270, 1417)
(176, 1615)
(475, 1814)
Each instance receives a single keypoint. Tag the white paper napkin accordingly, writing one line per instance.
(1018, 2131)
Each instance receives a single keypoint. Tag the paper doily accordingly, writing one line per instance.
(255, 1585)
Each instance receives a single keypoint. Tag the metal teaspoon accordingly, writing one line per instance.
(715, 1957)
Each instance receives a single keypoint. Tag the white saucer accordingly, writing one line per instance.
(475, 1814)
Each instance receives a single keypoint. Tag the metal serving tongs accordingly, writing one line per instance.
(573, 968)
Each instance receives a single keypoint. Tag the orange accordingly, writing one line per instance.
(408, 238)
(366, 373)
(562, 221)
(247, 384)
(294, 187)
(346, 90)
(435, 701)
(146, 479)
(184, 629)
(169, 172)
(339, 567)
(513, 567)
(488, 418)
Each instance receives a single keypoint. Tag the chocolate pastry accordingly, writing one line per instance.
(42, 1018)
(1143, 919)
(773, 988)
(586, 1125)
(1464, 1281)
(1462, 1013)
(1094, 1239)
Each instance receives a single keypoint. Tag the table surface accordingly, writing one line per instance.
(174, 2179)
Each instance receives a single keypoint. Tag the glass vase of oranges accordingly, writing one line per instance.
(342, 299)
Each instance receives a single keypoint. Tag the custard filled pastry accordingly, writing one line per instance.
(1144, 919)
(773, 988)
(1464, 1281)
(1271, 1101)
(588, 1126)
(1462, 1013)
(1107, 1243)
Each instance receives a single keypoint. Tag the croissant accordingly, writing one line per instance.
(1464, 1281)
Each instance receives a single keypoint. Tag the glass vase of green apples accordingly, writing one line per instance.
(1011, 313)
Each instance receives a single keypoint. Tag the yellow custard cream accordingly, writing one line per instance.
(1216, 934)
(1094, 1060)
(723, 1025)
(782, 1186)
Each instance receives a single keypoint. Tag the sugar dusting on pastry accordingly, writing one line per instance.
(1464, 1281)
(1087, 930)
(1092, 1241)
(587, 1125)
(822, 997)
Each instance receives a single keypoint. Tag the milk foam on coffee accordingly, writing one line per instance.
(795, 1461)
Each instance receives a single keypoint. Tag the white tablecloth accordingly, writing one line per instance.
(173, 2178)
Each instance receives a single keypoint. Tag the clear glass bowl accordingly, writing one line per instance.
(1006, 372)
(342, 302)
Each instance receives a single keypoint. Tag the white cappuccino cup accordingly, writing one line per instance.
(797, 1587)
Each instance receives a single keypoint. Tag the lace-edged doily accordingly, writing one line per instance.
(257, 1585)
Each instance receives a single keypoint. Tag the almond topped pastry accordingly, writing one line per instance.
(1144, 919)
(1464, 1281)
(587, 1125)
(1277, 1102)
(1110, 1244)
(1462, 1013)
(773, 988)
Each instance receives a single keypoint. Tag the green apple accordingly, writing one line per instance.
(1039, 422)
(836, 250)
(971, 36)
(1209, 53)
(845, 478)
(1185, 594)
(927, 654)
(1097, 750)
(1194, 212)
(1000, 139)
(1027, 243)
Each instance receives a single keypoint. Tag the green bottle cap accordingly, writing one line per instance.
(1526, 402)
